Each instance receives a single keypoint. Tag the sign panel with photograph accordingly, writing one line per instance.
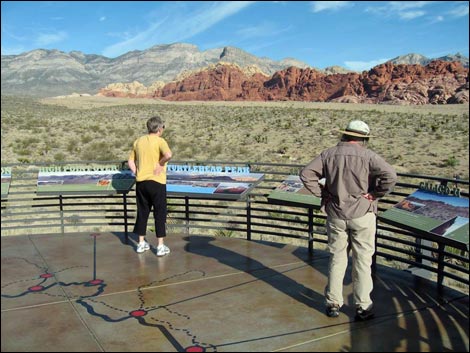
(198, 181)
(224, 185)
(438, 214)
(73, 182)
(292, 192)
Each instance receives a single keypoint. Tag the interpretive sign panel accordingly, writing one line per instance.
(84, 180)
(211, 182)
(292, 192)
(6, 180)
(199, 181)
(438, 214)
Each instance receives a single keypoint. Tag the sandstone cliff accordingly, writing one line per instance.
(438, 82)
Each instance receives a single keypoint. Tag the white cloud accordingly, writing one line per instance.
(13, 50)
(363, 65)
(318, 6)
(11, 34)
(102, 18)
(178, 26)
(407, 5)
(437, 19)
(405, 10)
(265, 29)
(410, 10)
(45, 39)
(409, 15)
(120, 35)
(255, 48)
(459, 11)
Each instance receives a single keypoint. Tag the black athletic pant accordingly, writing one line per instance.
(150, 194)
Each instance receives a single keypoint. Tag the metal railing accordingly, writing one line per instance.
(24, 212)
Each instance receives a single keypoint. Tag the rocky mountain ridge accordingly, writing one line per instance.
(439, 82)
(413, 58)
(52, 72)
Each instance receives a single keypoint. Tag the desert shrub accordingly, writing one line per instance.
(59, 157)
(451, 162)
(98, 151)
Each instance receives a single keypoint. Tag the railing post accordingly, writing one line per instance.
(440, 267)
(124, 201)
(310, 230)
(186, 213)
(374, 256)
(248, 218)
(61, 208)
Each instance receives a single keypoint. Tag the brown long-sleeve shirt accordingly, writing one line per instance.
(351, 171)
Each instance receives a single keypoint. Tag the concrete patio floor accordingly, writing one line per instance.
(92, 292)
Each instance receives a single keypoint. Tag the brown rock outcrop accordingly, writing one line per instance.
(311, 85)
(220, 82)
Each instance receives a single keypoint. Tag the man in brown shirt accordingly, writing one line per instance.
(350, 178)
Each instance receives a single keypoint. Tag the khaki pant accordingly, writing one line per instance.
(361, 232)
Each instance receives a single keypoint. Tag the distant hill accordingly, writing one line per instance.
(412, 59)
(52, 72)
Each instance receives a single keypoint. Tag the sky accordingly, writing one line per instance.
(356, 35)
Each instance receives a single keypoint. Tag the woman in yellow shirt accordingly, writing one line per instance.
(148, 161)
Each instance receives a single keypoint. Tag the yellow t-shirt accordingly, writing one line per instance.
(146, 152)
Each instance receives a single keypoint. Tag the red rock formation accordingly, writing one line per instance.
(438, 83)
(222, 82)
(311, 85)
(414, 84)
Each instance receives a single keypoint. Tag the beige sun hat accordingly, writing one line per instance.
(357, 128)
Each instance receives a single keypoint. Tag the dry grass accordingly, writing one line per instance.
(431, 140)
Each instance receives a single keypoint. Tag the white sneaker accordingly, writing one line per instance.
(143, 246)
(162, 250)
